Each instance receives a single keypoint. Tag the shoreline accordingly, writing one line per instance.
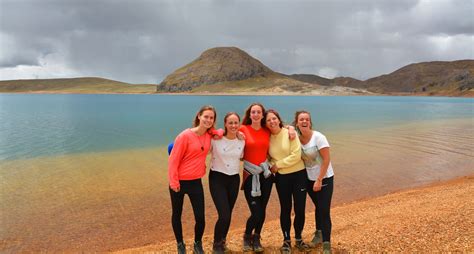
(245, 94)
(434, 217)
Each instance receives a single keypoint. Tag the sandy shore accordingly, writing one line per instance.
(434, 218)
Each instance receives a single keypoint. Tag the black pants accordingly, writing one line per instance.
(224, 190)
(322, 201)
(292, 189)
(257, 205)
(196, 195)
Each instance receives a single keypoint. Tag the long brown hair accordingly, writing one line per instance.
(275, 113)
(199, 113)
(297, 114)
(247, 120)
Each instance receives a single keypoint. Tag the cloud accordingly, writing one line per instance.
(142, 41)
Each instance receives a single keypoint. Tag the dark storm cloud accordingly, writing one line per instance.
(142, 41)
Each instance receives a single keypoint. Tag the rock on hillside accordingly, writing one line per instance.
(215, 65)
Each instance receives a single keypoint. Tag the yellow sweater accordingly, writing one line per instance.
(285, 153)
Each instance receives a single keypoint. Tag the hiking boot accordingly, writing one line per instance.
(218, 248)
(286, 248)
(198, 248)
(302, 246)
(317, 239)
(181, 248)
(327, 248)
(247, 245)
(257, 246)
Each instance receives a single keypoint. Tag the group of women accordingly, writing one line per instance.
(271, 153)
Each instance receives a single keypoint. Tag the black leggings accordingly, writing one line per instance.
(224, 190)
(196, 195)
(292, 187)
(322, 201)
(257, 205)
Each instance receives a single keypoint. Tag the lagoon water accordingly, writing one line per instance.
(89, 172)
(35, 125)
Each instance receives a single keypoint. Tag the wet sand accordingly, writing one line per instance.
(119, 200)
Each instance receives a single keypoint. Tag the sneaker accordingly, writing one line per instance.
(198, 248)
(327, 248)
(286, 248)
(257, 246)
(247, 245)
(181, 248)
(302, 246)
(317, 239)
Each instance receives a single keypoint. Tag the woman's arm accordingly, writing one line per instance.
(179, 148)
(324, 152)
(293, 157)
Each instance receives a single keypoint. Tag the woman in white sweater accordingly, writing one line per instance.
(224, 179)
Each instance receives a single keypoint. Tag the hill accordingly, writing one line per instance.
(313, 79)
(231, 70)
(454, 78)
(72, 85)
(215, 65)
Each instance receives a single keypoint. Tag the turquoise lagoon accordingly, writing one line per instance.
(33, 125)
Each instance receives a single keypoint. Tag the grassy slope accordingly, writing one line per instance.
(271, 83)
(73, 85)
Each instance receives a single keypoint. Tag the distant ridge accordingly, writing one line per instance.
(72, 85)
(433, 78)
(309, 78)
(455, 78)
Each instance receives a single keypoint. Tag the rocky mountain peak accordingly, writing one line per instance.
(214, 65)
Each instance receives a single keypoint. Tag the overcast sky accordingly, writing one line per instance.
(142, 41)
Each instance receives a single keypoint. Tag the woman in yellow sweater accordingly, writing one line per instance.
(290, 178)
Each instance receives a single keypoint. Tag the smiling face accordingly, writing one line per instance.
(206, 119)
(273, 123)
(232, 124)
(256, 114)
(303, 121)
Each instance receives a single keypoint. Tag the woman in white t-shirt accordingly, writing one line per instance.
(224, 179)
(315, 154)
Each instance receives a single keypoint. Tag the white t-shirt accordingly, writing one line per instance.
(226, 154)
(311, 157)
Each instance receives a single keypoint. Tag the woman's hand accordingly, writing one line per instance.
(240, 135)
(175, 189)
(292, 132)
(317, 185)
(274, 169)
